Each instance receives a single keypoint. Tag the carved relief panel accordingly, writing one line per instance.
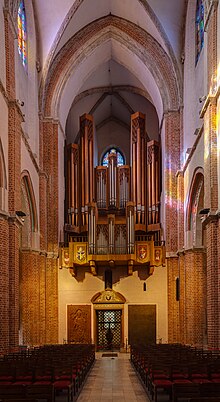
(79, 324)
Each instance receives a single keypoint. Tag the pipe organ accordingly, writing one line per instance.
(113, 212)
(138, 153)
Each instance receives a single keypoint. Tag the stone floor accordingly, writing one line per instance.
(113, 379)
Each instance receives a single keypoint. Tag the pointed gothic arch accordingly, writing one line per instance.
(3, 179)
(195, 204)
(29, 207)
(140, 43)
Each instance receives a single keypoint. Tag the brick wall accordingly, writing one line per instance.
(173, 305)
(195, 297)
(4, 280)
(211, 191)
(212, 241)
(39, 300)
(172, 165)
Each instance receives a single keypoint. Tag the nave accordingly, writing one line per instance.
(113, 379)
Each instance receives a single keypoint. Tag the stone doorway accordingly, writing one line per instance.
(109, 329)
(108, 320)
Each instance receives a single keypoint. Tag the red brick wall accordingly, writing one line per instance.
(212, 241)
(173, 305)
(211, 193)
(4, 284)
(195, 297)
(39, 300)
(172, 165)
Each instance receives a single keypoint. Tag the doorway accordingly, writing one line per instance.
(109, 329)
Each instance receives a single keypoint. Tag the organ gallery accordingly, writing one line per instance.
(113, 209)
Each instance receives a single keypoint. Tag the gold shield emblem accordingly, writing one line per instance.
(143, 253)
(80, 254)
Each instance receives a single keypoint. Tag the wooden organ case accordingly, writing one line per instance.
(112, 212)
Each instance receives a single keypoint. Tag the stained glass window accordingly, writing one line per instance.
(199, 28)
(120, 158)
(22, 33)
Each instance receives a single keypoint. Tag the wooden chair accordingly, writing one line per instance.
(188, 390)
(19, 400)
(41, 391)
(210, 389)
(204, 399)
(12, 391)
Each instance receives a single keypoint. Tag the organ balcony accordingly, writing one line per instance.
(113, 211)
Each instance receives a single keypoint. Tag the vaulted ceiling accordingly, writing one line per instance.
(112, 80)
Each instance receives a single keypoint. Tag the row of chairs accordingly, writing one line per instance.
(173, 369)
(47, 370)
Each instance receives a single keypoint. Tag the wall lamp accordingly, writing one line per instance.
(20, 213)
(202, 98)
(204, 211)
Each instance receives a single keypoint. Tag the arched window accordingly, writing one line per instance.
(22, 33)
(120, 157)
(199, 28)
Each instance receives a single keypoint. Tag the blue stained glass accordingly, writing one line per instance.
(120, 158)
(22, 33)
(199, 28)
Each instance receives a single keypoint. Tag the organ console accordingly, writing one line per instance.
(113, 212)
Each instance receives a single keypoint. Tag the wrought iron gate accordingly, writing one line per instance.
(108, 329)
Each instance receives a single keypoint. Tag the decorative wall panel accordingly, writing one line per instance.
(141, 324)
(79, 324)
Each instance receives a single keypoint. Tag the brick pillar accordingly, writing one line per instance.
(173, 304)
(4, 280)
(172, 166)
(173, 216)
(195, 297)
(213, 297)
(209, 113)
(182, 299)
(180, 209)
(15, 119)
(49, 223)
(9, 55)
(33, 298)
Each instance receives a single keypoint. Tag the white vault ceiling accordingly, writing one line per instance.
(124, 83)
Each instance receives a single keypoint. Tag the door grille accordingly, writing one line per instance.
(108, 329)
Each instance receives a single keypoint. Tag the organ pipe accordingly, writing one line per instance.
(86, 165)
(92, 222)
(138, 157)
(153, 182)
(72, 179)
(130, 227)
(112, 168)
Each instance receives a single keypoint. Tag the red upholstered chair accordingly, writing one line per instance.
(41, 391)
(12, 391)
(186, 390)
(204, 399)
(159, 378)
(64, 381)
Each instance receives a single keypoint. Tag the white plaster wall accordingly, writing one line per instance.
(218, 103)
(4, 141)
(113, 134)
(163, 194)
(2, 45)
(196, 161)
(27, 84)
(81, 289)
(27, 164)
(194, 81)
(218, 149)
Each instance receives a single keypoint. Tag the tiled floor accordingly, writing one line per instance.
(112, 379)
